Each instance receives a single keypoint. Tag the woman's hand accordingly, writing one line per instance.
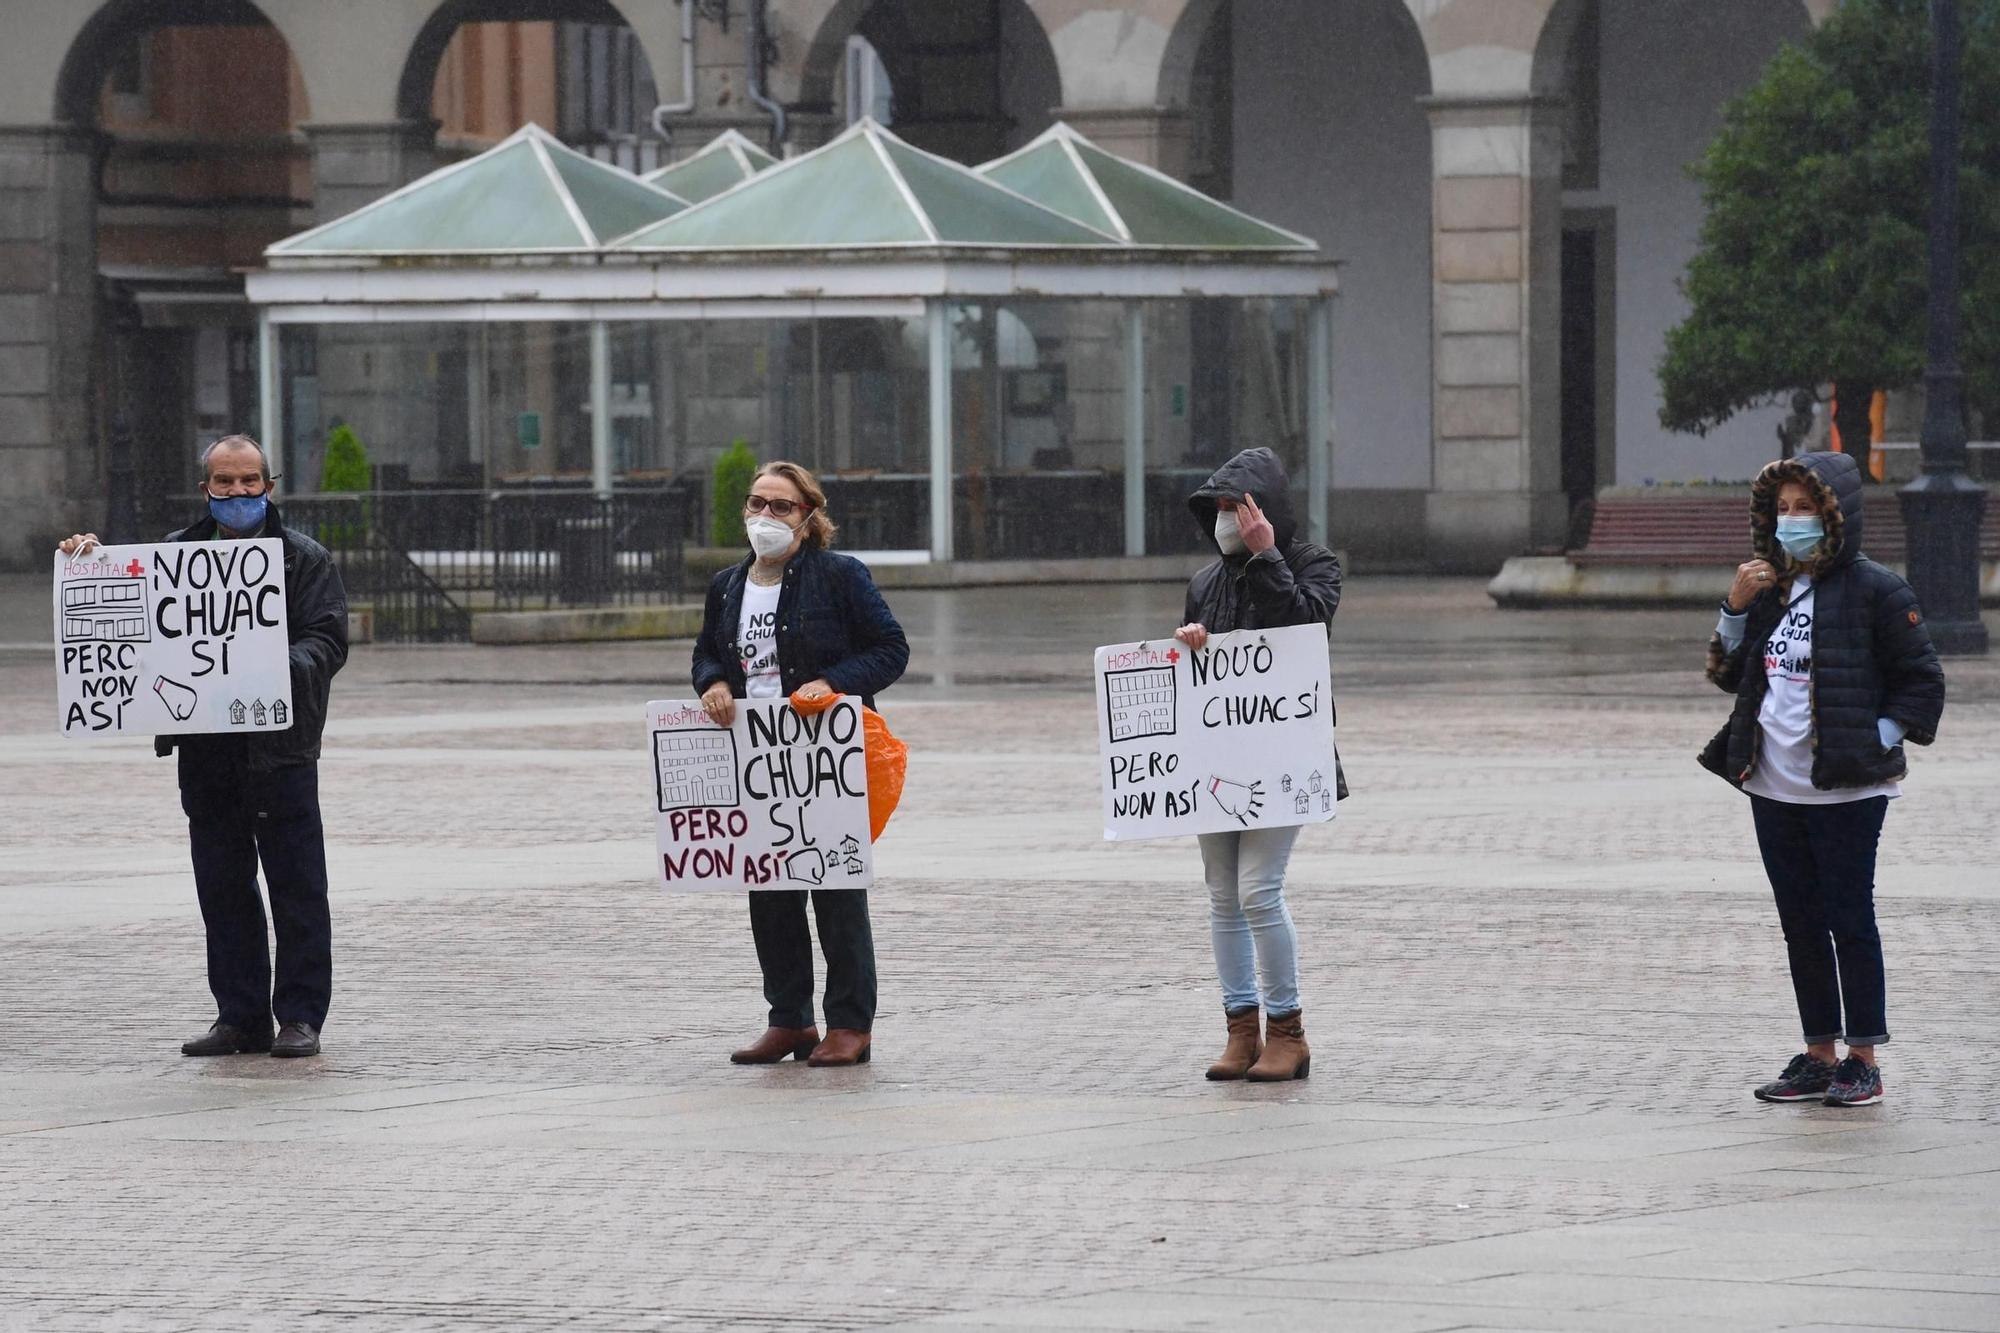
(1194, 636)
(1752, 577)
(78, 544)
(1258, 534)
(816, 689)
(719, 704)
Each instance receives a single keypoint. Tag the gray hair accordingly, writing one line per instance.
(237, 442)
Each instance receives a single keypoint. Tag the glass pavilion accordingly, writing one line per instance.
(1037, 358)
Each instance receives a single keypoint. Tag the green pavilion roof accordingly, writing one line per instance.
(866, 188)
(727, 160)
(1135, 203)
(530, 192)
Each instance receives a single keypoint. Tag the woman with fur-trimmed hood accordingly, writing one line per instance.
(1816, 741)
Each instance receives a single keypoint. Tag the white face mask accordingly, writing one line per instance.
(769, 538)
(1228, 532)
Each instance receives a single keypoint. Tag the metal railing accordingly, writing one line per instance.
(422, 561)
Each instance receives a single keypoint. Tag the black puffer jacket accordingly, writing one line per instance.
(832, 624)
(1872, 656)
(316, 624)
(1296, 582)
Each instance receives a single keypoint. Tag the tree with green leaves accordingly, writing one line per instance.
(345, 467)
(734, 471)
(1811, 265)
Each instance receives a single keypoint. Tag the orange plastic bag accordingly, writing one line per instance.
(887, 758)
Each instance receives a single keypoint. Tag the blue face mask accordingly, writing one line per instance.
(239, 513)
(1800, 535)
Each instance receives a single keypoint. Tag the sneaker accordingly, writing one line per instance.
(1805, 1079)
(1854, 1084)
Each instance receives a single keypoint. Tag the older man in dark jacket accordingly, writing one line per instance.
(255, 796)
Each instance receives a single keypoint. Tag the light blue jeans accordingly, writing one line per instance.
(1248, 921)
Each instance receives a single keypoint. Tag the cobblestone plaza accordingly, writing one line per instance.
(1541, 973)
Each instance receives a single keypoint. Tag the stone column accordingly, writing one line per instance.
(1496, 447)
(356, 164)
(1158, 136)
(51, 475)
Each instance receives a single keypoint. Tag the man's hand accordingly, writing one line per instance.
(719, 704)
(815, 689)
(78, 544)
(1258, 534)
(1194, 636)
(1752, 577)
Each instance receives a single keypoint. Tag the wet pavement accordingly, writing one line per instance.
(1540, 970)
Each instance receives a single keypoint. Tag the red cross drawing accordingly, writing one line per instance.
(135, 569)
(1173, 654)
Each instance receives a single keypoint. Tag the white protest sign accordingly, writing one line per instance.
(1236, 736)
(173, 638)
(777, 800)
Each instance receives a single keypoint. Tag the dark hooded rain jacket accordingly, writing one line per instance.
(1296, 582)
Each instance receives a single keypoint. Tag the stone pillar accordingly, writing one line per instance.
(1496, 219)
(1158, 136)
(356, 164)
(51, 476)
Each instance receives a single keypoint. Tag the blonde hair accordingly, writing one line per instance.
(819, 529)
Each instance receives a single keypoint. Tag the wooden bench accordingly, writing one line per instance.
(1682, 529)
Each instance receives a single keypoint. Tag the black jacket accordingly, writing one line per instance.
(316, 625)
(1296, 582)
(1872, 656)
(832, 623)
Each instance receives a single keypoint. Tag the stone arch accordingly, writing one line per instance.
(80, 78)
(892, 28)
(420, 65)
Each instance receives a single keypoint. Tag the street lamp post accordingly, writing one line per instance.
(1942, 508)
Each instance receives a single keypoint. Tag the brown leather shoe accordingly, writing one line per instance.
(776, 1044)
(843, 1046)
(1286, 1055)
(1246, 1043)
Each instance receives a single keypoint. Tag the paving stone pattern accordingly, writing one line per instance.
(1541, 973)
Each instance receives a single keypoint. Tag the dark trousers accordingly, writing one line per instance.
(236, 818)
(784, 952)
(1821, 860)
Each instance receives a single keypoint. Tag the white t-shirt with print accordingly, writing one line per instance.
(1784, 761)
(757, 640)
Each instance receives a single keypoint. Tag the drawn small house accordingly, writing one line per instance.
(1315, 782)
(280, 713)
(1302, 803)
(258, 713)
(236, 712)
(1325, 802)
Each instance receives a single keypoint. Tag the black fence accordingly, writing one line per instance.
(422, 561)
(1016, 516)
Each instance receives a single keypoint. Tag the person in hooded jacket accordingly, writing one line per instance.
(1833, 671)
(254, 797)
(1266, 577)
(796, 617)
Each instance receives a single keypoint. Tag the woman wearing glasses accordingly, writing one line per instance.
(795, 617)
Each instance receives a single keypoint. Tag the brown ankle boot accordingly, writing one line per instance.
(776, 1044)
(1286, 1055)
(843, 1046)
(1245, 1045)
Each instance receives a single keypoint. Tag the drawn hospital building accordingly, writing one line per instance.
(695, 768)
(104, 611)
(1140, 702)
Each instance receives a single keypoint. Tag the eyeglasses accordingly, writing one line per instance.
(757, 504)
